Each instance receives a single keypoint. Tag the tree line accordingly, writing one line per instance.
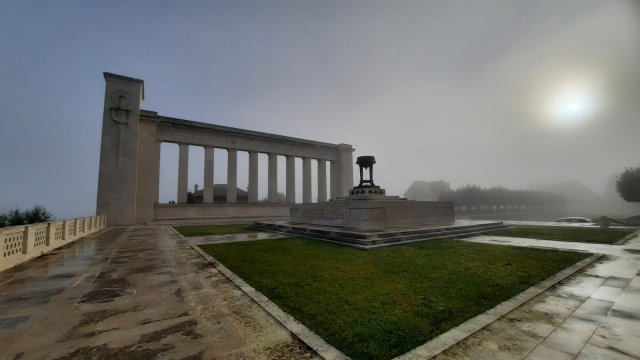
(497, 196)
(17, 217)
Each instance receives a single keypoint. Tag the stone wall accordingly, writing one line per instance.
(25, 242)
(371, 214)
(165, 212)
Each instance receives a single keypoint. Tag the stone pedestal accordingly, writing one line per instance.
(368, 207)
(374, 213)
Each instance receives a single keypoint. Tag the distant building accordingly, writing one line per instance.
(427, 190)
(219, 195)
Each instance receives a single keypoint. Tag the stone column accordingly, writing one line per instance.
(183, 173)
(207, 192)
(345, 165)
(232, 176)
(335, 175)
(306, 180)
(291, 179)
(148, 183)
(322, 180)
(273, 178)
(253, 177)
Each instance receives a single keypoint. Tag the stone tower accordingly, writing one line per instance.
(117, 183)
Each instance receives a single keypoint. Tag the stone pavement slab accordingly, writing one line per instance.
(594, 314)
(134, 293)
(142, 292)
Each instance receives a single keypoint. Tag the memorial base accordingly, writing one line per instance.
(374, 212)
(375, 238)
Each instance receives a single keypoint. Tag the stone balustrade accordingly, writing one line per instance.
(25, 242)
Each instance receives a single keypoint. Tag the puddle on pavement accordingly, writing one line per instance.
(185, 328)
(34, 298)
(104, 295)
(179, 295)
(12, 322)
(127, 352)
(624, 315)
(58, 277)
(106, 280)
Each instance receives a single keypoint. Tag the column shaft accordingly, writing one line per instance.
(335, 175)
(306, 180)
(322, 180)
(208, 176)
(183, 173)
(291, 179)
(253, 177)
(345, 164)
(232, 176)
(273, 178)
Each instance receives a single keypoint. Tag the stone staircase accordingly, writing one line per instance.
(369, 239)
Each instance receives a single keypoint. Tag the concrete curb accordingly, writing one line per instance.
(471, 326)
(425, 351)
(626, 239)
(307, 336)
(175, 232)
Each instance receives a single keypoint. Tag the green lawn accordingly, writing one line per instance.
(574, 234)
(201, 230)
(382, 303)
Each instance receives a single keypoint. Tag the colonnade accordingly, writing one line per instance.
(128, 181)
(252, 190)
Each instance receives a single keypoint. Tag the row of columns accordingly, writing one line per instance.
(272, 173)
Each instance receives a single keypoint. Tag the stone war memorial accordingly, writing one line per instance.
(369, 218)
(128, 183)
(367, 207)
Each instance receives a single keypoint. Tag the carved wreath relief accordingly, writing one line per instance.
(120, 115)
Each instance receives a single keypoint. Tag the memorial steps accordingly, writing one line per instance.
(374, 238)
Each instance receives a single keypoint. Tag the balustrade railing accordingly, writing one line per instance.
(25, 242)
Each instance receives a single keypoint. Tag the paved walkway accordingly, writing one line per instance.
(133, 293)
(141, 292)
(594, 314)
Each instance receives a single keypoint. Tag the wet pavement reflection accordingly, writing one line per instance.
(141, 292)
(138, 293)
(593, 314)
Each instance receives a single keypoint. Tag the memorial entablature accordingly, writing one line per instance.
(128, 184)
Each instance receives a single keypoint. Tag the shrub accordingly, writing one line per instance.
(628, 184)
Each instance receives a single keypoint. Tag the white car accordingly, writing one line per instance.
(575, 220)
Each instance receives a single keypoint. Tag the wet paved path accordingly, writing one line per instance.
(142, 292)
(594, 314)
(134, 293)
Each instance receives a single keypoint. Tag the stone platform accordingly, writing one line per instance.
(372, 212)
(374, 238)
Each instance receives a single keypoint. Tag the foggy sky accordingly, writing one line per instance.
(464, 91)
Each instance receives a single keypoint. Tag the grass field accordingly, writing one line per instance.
(382, 303)
(573, 234)
(202, 230)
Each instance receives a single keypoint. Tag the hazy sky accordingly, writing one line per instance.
(473, 92)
